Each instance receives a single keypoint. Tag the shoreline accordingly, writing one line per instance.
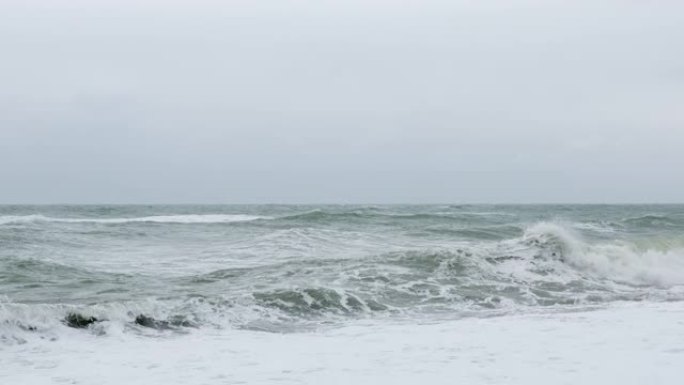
(626, 343)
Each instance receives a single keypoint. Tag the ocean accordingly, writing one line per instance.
(243, 290)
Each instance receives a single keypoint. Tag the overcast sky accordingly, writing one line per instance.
(316, 101)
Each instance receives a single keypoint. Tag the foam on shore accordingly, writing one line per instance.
(627, 343)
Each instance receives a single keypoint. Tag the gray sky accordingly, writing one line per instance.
(341, 101)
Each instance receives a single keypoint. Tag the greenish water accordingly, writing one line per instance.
(286, 268)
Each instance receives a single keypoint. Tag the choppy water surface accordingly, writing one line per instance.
(166, 269)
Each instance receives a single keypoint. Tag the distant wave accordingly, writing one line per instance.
(316, 215)
(479, 233)
(192, 218)
(322, 215)
(653, 221)
(306, 216)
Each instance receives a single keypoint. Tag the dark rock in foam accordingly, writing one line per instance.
(75, 320)
(150, 322)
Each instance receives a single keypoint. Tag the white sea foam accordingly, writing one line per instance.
(594, 227)
(7, 219)
(616, 260)
(608, 346)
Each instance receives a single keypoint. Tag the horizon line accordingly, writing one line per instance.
(343, 204)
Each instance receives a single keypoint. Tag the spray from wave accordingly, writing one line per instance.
(619, 260)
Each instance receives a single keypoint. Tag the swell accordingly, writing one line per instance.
(654, 221)
(41, 281)
(358, 215)
(479, 233)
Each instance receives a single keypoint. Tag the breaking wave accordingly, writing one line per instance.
(620, 260)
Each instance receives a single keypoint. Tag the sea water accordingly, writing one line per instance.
(333, 294)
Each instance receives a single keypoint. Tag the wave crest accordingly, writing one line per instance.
(618, 260)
